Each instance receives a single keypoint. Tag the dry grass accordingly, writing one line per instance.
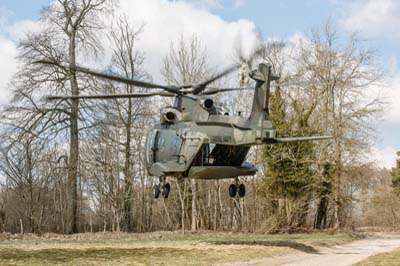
(385, 259)
(160, 248)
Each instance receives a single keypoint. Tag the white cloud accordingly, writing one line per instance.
(8, 65)
(380, 19)
(20, 29)
(385, 157)
(10, 33)
(375, 18)
(166, 21)
(392, 95)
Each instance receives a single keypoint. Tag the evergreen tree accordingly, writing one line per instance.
(396, 175)
(289, 173)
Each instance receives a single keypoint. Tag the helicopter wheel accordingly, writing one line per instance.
(156, 191)
(242, 190)
(165, 190)
(232, 190)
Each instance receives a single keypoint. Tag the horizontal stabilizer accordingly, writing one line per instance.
(294, 139)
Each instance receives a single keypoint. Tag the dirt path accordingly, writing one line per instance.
(344, 255)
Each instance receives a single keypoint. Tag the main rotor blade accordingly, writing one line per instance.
(202, 86)
(211, 91)
(134, 82)
(288, 84)
(112, 96)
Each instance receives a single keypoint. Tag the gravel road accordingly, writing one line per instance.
(343, 255)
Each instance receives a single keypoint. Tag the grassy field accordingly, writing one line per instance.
(159, 248)
(384, 259)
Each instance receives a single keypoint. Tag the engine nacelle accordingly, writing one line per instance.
(170, 115)
(207, 104)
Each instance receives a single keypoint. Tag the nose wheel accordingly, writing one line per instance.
(162, 188)
(237, 189)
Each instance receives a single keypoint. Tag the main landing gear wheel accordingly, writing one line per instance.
(162, 188)
(156, 191)
(232, 190)
(237, 189)
(165, 190)
(242, 190)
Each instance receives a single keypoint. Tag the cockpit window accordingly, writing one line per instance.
(151, 141)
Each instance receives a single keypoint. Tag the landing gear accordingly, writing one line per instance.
(165, 190)
(242, 190)
(232, 190)
(237, 189)
(162, 188)
(156, 191)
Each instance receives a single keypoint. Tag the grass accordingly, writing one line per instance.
(159, 248)
(385, 259)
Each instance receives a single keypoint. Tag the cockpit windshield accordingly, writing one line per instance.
(149, 149)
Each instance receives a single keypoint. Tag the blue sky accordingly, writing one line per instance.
(377, 21)
(24, 9)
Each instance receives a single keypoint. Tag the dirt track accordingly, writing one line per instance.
(344, 255)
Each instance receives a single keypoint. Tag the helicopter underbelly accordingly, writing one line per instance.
(184, 154)
(221, 172)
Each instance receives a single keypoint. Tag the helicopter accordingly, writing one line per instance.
(194, 138)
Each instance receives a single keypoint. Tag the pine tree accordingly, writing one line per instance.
(289, 175)
(396, 175)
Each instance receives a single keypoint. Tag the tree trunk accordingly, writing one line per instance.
(194, 205)
(72, 186)
(128, 224)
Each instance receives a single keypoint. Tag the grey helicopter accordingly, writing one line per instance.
(194, 138)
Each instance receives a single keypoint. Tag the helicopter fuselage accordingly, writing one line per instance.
(195, 140)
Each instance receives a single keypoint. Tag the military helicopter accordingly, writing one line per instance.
(194, 138)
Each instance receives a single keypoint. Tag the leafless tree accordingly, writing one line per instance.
(344, 77)
(69, 31)
(187, 63)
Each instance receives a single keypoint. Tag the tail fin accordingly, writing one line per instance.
(260, 108)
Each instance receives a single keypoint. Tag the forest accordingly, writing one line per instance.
(77, 166)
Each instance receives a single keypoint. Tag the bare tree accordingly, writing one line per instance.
(70, 27)
(187, 63)
(123, 117)
(26, 165)
(343, 77)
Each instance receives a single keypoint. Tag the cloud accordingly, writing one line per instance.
(375, 18)
(392, 96)
(21, 28)
(10, 33)
(8, 66)
(385, 157)
(165, 21)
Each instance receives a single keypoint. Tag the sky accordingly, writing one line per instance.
(219, 24)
